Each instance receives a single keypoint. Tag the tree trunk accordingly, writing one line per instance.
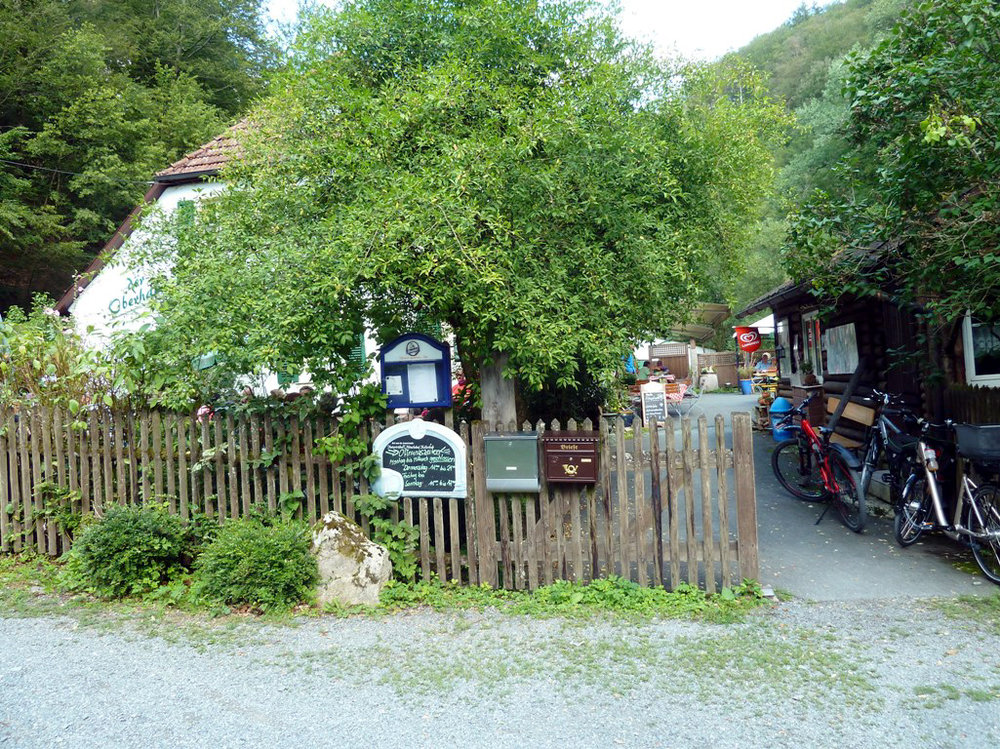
(499, 400)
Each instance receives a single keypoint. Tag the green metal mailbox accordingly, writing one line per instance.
(512, 462)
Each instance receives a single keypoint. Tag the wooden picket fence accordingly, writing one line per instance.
(664, 510)
(972, 404)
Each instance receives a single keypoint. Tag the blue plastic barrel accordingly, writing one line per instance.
(778, 410)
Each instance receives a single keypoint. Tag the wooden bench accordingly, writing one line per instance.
(861, 416)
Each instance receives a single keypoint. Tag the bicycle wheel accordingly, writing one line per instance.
(851, 506)
(912, 511)
(987, 520)
(797, 471)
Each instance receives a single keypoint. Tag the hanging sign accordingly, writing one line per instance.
(748, 339)
(420, 459)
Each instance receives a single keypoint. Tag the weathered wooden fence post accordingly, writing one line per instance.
(485, 516)
(746, 498)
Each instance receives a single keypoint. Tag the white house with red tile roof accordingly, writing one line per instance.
(110, 296)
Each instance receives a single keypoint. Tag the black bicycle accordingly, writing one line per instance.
(897, 443)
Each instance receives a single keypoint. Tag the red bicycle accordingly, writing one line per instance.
(813, 469)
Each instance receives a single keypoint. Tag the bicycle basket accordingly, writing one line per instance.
(978, 442)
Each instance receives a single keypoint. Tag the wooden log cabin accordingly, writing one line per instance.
(941, 373)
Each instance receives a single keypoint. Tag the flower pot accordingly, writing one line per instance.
(746, 387)
(627, 416)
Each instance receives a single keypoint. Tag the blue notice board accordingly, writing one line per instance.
(416, 372)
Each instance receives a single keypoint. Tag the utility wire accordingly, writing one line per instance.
(74, 174)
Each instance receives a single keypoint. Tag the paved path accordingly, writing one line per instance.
(827, 562)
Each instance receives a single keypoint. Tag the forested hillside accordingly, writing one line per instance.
(95, 96)
(798, 54)
(804, 60)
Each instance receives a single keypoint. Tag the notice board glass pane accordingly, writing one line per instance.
(422, 379)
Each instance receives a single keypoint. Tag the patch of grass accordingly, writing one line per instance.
(981, 610)
(803, 666)
(34, 586)
(984, 695)
(492, 662)
(614, 596)
(934, 696)
(495, 660)
(968, 566)
(31, 586)
(28, 586)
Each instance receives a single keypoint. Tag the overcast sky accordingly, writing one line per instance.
(704, 29)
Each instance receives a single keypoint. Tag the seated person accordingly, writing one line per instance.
(764, 366)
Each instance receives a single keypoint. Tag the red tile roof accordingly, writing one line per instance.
(204, 162)
(207, 160)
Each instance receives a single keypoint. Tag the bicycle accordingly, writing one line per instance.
(813, 469)
(976, 518)
(898, 446)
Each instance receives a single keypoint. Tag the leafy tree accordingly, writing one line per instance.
(222, 44)
(513, 169)
(94, 98)
(914, 211)
(43, 361)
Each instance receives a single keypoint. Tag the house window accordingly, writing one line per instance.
(185, 213)
(981, 342)
(812, 343)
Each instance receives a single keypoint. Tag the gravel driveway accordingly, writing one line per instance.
(892, 672)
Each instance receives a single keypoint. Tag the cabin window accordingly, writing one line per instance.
(783, 347)
(812, 343)
(841, 344)
(981, 342)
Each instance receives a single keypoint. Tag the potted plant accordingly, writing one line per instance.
(618, 403)
(746, 386)
(808, 376)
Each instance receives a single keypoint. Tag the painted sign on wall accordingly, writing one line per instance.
(137, 292)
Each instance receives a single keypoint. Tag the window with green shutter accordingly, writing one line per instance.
(184, 213)
(357, 357)
(426, 324)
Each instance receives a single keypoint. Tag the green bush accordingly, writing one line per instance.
(265, 565)
(130, 551)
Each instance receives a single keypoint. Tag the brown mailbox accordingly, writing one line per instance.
(570, 457)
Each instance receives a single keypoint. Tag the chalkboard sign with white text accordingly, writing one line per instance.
(654, 406)
(430, 459)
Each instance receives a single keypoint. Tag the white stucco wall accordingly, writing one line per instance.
(117, 297)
